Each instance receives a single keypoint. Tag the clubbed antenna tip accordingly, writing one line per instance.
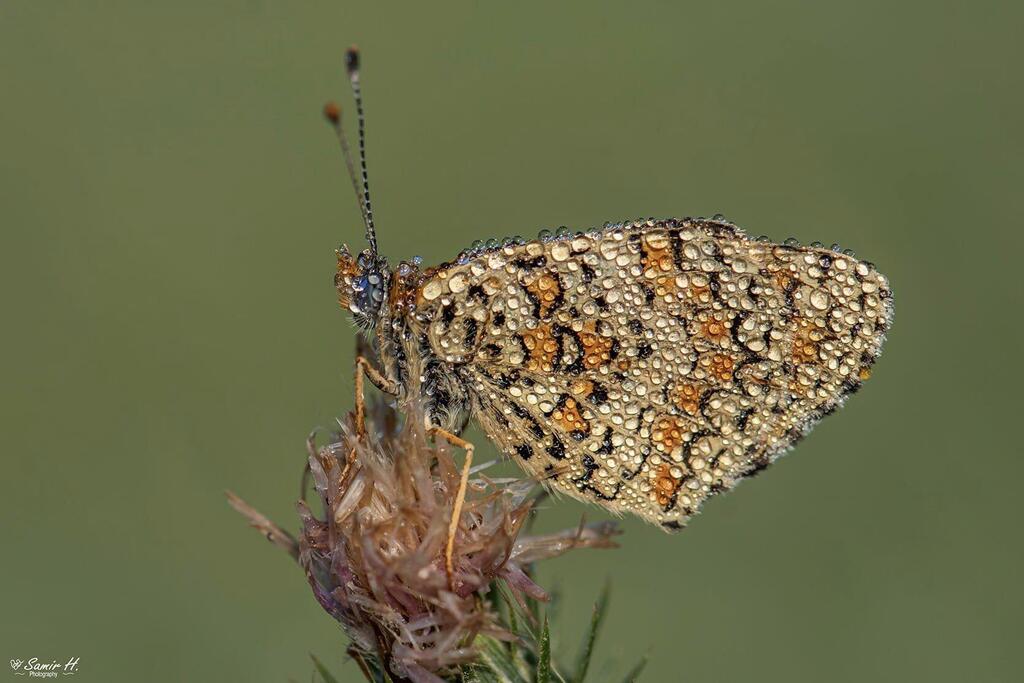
(332, 112)
(352, 59)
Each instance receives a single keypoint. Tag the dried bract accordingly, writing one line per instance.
(373, 540)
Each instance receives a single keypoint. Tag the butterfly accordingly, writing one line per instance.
(643, 366)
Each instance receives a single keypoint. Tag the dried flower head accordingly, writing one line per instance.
(374, 550)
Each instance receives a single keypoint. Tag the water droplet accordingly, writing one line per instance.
(560, 251)
(791, 242)
(458, 282)
(817, 245)
(432, 290)
(491, 243)
(764, 239)
(718, 217)
(836, 248)
(544, 234)
(562, 231)
(476, 244)
(849, 252)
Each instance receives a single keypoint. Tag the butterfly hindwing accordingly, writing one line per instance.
(649, 365)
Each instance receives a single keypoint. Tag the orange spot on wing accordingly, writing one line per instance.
(717, 328)
(718, 366)
(664, 485)
(805, 342)
(782, 279)
(667, 433)
(582, 387)
(596, 348)
(547, 289)
(568, 417)
(687, 397)
(542, 348)
(659, 265)
(700, 293)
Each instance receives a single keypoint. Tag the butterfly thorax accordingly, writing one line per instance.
(385, 303)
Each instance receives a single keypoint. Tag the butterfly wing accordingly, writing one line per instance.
(647, 366)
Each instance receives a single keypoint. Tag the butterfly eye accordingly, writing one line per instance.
(367, 296)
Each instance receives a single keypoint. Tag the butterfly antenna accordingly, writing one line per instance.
(332, 112)
(352, 65)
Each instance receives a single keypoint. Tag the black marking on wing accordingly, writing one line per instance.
(561, 332)
(648, 294)
(477, 292)
(448, 315)
(677, 249)
(557, 449)
(583, 481)
(530, 264)
(743, 418)
(606, 444)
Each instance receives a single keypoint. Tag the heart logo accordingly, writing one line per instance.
(16, 664)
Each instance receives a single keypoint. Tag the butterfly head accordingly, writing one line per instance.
(362, 284)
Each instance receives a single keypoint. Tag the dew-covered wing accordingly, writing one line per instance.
(646, 366)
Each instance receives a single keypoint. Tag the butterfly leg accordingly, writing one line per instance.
(460, 498)
(365, 369)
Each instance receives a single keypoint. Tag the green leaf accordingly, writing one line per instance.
(473, 673)
(499, 660)
(634, 673)
(587, 651)
(323, 670)
(544, 654)
(510, 606)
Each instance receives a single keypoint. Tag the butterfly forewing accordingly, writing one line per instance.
(646, 366)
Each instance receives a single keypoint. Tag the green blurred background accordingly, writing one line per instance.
(170, 200)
